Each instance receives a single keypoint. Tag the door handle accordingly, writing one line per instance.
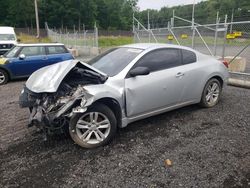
(179, 74)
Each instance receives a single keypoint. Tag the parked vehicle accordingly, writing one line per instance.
(7, 39)
(118, 87)
(23, 59)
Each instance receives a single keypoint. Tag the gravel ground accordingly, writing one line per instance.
(207, 148)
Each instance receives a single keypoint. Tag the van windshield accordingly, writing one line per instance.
(5, 37)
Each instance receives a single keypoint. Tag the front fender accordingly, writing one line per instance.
(104, 91)
(7, 70)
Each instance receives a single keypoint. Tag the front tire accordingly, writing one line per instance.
(211, 93)
(96, 127)
(4, 78)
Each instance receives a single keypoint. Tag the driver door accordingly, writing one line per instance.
(157, 90)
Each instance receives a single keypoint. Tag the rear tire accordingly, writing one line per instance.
(4, 77)
(96, 127)
(211, 93)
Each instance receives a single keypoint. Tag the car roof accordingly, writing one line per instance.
(6, 30)
(41, 44)
(147, 46)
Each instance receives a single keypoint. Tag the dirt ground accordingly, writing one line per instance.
(207, 148)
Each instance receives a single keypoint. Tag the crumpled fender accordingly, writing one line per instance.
(105, 91)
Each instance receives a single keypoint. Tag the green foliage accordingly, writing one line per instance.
(116, 14)
(114, 41)
(112, 14)
(31, 39)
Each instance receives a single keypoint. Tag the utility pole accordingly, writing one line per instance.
(149, 35)
(193, 25)
(232, 19)
(37, 20)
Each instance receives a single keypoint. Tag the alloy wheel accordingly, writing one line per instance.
(93, 127)
(212, 93)
(2, 78)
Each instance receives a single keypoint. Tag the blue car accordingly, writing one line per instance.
(23, 59)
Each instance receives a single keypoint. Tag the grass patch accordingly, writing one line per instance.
(114, 41)
(32, 39)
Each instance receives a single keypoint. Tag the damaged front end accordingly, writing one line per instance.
(51, 111)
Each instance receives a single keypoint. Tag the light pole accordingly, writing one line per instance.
(193, 25)
(37, 20)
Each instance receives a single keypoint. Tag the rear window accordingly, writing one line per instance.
(56, 50)
(188, 57)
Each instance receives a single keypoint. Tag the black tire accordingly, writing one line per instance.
(102, 110)
(4, 77)
(204, 102)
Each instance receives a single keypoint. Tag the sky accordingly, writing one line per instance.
(158, 4)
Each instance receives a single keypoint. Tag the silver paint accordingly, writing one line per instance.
(140, 96)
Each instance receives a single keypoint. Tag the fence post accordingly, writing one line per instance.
(193, 37)
(149, 34)
(216, 33)
(67, 39)
(225, 37)
(96, 36)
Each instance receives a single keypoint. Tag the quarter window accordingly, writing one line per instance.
(56, 50)
(33, 50)
(161, 59)
(188, 57)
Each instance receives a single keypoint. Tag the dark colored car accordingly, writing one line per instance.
(23, 59)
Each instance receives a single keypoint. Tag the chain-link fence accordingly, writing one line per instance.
(229, 41)
(85, 42)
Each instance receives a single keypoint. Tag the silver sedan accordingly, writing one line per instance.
(123, 85)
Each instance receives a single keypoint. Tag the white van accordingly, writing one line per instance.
(7, 39)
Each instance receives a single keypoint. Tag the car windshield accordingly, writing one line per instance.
(12, 52)
(114, 60)
(5, 37)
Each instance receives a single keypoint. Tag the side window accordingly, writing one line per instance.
(33, 50)
(188, 57)
(161, 59)
(56, 50)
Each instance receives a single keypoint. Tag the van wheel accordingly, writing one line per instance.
(96, 127)
(4, 78)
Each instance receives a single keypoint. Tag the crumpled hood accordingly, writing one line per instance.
(48, 79)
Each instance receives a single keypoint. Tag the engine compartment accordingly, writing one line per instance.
(51, 111)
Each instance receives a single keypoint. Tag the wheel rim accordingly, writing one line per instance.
(212, 93)
(2, 77)
(93, 128)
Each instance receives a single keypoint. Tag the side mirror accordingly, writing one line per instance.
(18, 40)
(139, 71)
(22, 56)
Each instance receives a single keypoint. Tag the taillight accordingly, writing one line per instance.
(225, 63)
